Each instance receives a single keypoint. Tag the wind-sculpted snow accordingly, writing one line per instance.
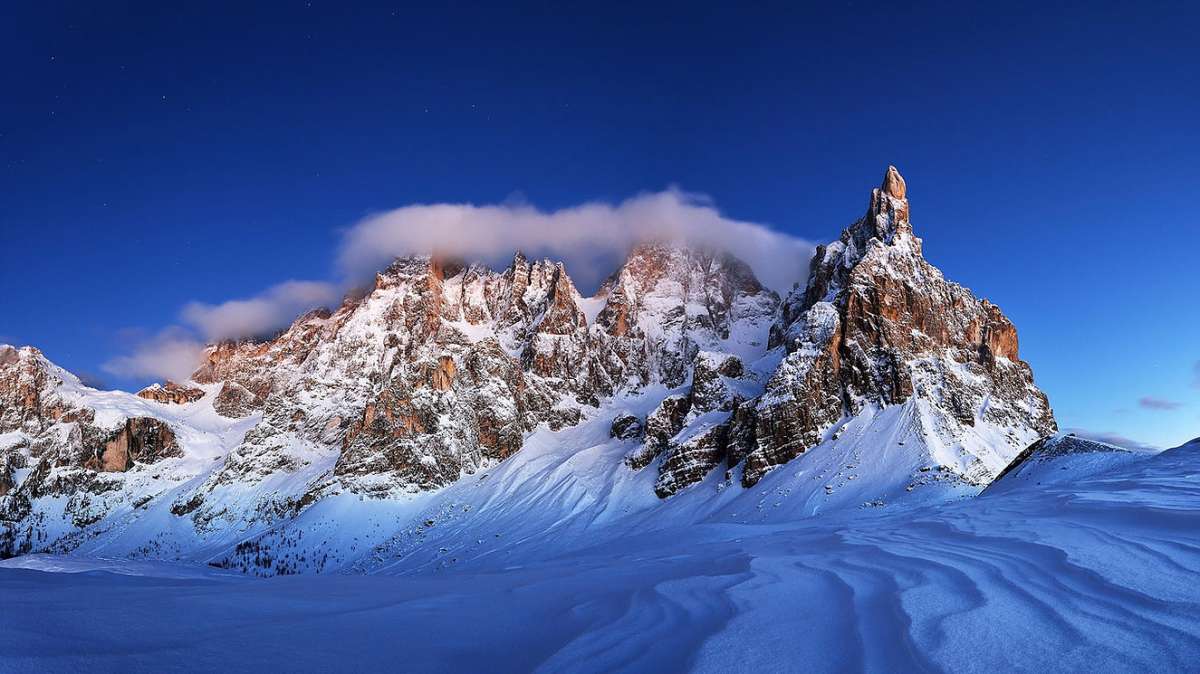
(1095, 575)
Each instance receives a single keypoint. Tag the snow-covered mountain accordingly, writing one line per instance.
(451, 412)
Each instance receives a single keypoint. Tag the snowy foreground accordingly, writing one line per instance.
(1071, 570)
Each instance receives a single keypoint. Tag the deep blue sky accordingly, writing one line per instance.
(153, 155)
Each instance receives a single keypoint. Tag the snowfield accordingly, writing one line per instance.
(1096, 573)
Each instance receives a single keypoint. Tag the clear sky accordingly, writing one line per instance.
(154, 155)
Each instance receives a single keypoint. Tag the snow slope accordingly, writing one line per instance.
(1095, 574)
(564, 489)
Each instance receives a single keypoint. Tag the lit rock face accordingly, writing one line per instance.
(29, 398)
(435, 421)
(56, 448)
(171, 393)
(877, 324)
(42, 413)
(436, 371)
(140, 439)
(442, 368)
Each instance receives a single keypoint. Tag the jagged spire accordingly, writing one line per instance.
(893, 183)
(887, 216)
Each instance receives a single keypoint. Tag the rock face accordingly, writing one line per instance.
(626, 427)
(443, 369)
(29, 395)
(236, 401)
(57, 449)
(664, 423)
(171, 393)
(44, 414)
(140, 439)
(666, 304)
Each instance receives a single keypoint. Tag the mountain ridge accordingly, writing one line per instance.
(444, 370)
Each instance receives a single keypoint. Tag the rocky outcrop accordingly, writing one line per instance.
(626, 426)
(666, 304)
(691, 460)
(442, 367)
(235, 401)
(171, 393)
(140, 440)
(661, 425)
(30, 397)
(436, 421)
(10, 462)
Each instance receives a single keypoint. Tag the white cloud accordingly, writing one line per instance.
(264, 313)
(171, 354)
(590, 238)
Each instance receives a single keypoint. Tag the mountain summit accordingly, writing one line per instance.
(679, 385)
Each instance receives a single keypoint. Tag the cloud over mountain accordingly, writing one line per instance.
(171, 354)
(261, 314)
(589, 238)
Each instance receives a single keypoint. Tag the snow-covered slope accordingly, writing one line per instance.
(1093, 575)
(1061, 458)
(454, 407)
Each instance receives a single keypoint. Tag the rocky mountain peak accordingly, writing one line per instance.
(877, 325)
(30, 399)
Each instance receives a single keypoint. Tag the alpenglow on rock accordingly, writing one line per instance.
(695, 377)
(877, 325)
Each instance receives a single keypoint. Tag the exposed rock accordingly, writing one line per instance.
(893, 184)
(743, 432)
(30, 398)
(235, 401)
(443, 374)
(140, 439)
(434, 423)
(626, 427)
(711, 387)
(666, 304)
(661, 425)
(803, 397)
(690, 461)
(171, 393)
(11, 460)
(877, 324)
